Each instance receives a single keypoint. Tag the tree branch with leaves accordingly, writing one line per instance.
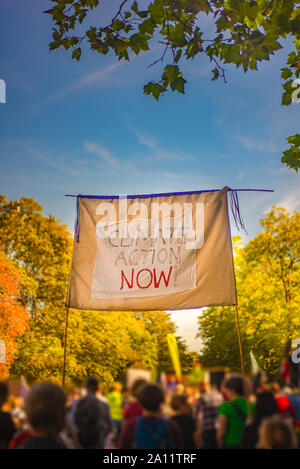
(246, 32)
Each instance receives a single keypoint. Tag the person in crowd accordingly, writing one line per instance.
(19, 418)
(19, 439)
(183, 417)
(18, 413)
(265, 407)
(133, 408)
(179, 389)
(150, 431)
(45, 411)
(207, 414)
(192, 398)
(100, 394)
(283, 403)
(72, 396)
(171, 384)
(166, 406)
(89, 418)
(276, 432)
(293, 397)
(7, 427)
(233, 413)
(115, 402)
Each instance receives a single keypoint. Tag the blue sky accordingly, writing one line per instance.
(86, 127)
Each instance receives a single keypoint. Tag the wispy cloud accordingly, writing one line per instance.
(171, 175)
(19, 142)
(135, 167)
(162, 154)
(157, 151)
(240, 175)
(103, 153)
(148, 142)
(60, 164)
(144, 139)
(252, 143)
(94, 76)
(96, 157)
(87, 80)
(123, 166)
(291, 200)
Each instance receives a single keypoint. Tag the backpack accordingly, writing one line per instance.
(87, 419)
(152, 433)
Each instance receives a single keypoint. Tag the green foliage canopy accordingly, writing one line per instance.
(268, 286)
(100, 343)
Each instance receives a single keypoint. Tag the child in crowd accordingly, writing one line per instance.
(150, 431)
(182, 415)
(276, 432)
(45, 411)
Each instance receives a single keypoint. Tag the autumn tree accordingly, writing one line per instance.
(97, 343)
(245, 32)
(100, 343)
(268, 286)
(41, 247)
(13, 316)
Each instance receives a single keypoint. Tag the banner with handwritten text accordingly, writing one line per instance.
(168, 251)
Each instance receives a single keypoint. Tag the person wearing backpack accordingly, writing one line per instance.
(91, 418)
(233, 413)
(151, 430)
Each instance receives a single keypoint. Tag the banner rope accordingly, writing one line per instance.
(163, 194)
(236, 211)
(76, 227)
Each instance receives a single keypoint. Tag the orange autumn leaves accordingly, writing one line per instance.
(13, 316)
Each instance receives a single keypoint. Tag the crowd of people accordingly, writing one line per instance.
(150, 416)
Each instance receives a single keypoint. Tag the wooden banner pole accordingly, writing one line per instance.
(239, 338)
(249, 409)
(65, 345)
